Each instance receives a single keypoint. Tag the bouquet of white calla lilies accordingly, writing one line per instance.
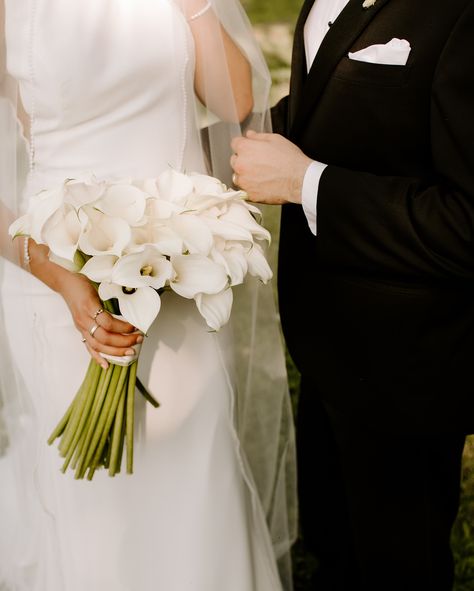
(134, 239)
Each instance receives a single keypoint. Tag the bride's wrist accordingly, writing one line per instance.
(45, 270)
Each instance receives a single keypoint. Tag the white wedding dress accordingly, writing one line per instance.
(97, 78)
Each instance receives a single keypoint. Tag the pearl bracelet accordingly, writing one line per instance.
(199, 13)
(26, 252)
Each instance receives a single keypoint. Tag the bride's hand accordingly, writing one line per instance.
(104, 333)
(112, 336)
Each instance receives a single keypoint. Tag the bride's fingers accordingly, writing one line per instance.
(111, 324)
(109, 331)
(112, 339)
(98, 347)
(95, 355)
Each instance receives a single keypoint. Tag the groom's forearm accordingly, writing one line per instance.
(279, 115)
(395, 227)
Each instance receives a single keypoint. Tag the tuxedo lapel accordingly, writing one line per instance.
(337, 42)
(298, 61)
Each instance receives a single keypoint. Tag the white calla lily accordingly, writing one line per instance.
(99, 268)
(141, 269)
(42, 206)
(21, 226)
(174, 186)
(123, 201)
(227, 230)
(258, 264)
(139, 306)
(239, 214)
(162, 237)
(215, 308)
(253, 208)
(159, 209)
(150, 187)
(207, 185)
(195, 233)
(82, 192)
(235, 261)
(62, 232)
(103, 234)
(200, 202)
(195, 274)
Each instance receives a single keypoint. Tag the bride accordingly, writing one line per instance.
(125, 88)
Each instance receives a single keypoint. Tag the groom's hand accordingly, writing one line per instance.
(268, 167)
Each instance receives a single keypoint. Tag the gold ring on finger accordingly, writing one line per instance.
(83, 339)
(93, 328)
(99, 311)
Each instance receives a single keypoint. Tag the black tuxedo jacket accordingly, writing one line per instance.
(388, 331)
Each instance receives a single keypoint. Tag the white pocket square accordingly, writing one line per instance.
(393, 53)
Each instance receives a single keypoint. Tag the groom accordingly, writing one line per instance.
(376, 279)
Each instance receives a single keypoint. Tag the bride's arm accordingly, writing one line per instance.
(219, 59)
(83, 301)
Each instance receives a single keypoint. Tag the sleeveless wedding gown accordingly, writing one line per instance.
(95, 77)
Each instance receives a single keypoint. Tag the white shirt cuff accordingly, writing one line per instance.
(309, 192)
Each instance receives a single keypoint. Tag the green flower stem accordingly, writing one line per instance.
(93, 435)
(117, 433)
(84, 417)
(146, 394)
(59, 430)
(106, 418)
(83, 437)
(107, 452)
(81, 398)
(130, 415)
(122, 440)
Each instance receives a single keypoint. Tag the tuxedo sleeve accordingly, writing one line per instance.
(279, 115)
(412, 227)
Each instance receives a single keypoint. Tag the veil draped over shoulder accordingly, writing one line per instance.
(262, 412)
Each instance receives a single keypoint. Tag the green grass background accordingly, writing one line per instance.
(268, 15)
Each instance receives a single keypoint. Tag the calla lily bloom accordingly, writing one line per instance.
(194, 232)
(215, 308)
(21, 226)
(195, 274)
(227, 230)
(138, 306)
(161, 236)
(99, 268)
(103, 234)
(174, 186)
(62, 231)
(239, 214)
(82, 192)
(207, 185)
(123, 201)
(142, 269)
(232, 258)
(258, 265)
(42, 206)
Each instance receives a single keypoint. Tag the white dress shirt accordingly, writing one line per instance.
(317, 25)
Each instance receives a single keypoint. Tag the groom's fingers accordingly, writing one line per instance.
(269, 168)
(253, 135)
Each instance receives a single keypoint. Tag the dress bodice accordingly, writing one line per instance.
(108, 85)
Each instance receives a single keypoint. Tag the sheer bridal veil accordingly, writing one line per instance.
(262, 413)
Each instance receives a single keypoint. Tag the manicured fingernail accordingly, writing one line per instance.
(130, 352)
(104, 365)
(140, 339)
